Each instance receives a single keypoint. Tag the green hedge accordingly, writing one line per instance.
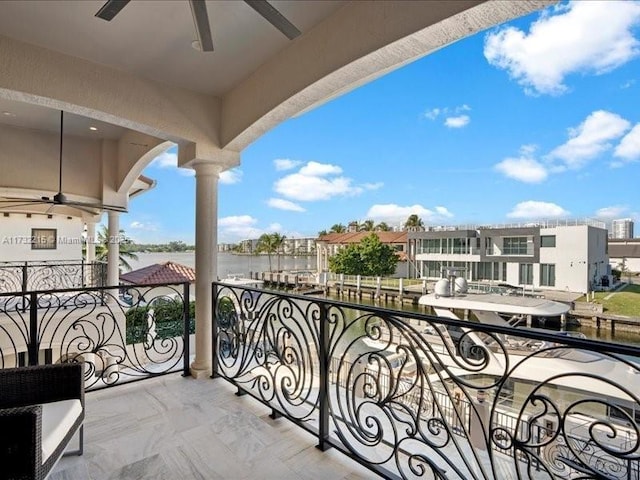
(168, 320)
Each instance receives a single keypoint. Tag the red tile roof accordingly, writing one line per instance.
(356, 237)
(167, 272)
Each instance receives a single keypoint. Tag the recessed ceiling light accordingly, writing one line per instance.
(8, 114)
(93, 128)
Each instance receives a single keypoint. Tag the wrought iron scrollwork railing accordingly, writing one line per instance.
(31, 276)
(418, 396)
(120, 333)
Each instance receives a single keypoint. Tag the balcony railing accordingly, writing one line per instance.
(31, 276)
(122, 333)
(416, 396)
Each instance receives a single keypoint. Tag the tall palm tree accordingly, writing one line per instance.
(367, 226)
(278, 241)
(126, 254)
(271, 243)
(383, 227)
(337, 228)
(414, 221)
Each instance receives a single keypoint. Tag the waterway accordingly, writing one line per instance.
(230, 264)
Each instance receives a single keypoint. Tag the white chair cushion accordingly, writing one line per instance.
(57, 420)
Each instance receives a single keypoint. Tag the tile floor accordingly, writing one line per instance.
(177, 428)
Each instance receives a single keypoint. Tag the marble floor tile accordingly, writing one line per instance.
(172, 427)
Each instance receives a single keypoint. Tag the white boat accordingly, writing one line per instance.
(594, 396)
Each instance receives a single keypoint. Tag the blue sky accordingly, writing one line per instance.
(535, 119)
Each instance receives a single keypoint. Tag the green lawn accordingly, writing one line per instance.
(623, 302)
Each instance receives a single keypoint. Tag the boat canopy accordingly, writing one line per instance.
(491, 302)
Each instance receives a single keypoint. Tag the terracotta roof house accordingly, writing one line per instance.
(167, 272)
(329, 244)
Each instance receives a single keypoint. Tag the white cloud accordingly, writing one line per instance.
(282, 204)
(285, 163)
(319, 181)
(372, 186)
(609, 213)
(629, 147)
(454, 119)
(149, 227)
(590, 138)
(317, 169)
(457, 122)
(432, 114)
(523, 169)
(583, 37)
(231, 176)
(443, 211)
(239, 227)
(166, 159)
(396, 214)
(537, 210)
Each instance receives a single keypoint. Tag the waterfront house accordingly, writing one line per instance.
(559, 255)
(331, 243)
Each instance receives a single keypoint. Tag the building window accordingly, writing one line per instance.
(514, 246)
(431, 245)
(43, 239)
(526, 274)
(504, 271)
(547, 275)
(547, 240)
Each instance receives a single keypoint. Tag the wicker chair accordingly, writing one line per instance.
(39, 414)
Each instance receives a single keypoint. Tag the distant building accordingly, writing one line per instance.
(569, 256)
(624, 254)
(329, 244)
(621, 228)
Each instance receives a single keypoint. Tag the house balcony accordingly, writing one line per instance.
(379, 392)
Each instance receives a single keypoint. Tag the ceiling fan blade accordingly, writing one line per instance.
(274, 17)
(19, 205)
(111, 9)
(23, 200)
(96, 206)
(201, 20)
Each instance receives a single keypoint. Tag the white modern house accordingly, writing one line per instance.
(570, 256)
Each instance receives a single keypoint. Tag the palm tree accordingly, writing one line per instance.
(414, 221)
(367, 226)
(102, 248)
(322, 233)
(278, 241)
(383, 227)
(271, 243)
(338, 228)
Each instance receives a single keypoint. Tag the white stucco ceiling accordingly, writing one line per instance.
(37, 117)
(152, 38)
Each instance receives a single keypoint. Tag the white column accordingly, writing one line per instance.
(91, 241)
(206, 262)
(113, 245)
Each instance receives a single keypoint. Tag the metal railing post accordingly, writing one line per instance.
(33, 346)
(186, 334)
(25, 279)
(214, 331)
(323, 352)
(83, 282)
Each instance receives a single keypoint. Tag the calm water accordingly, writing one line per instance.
(243, 264)
(229, 263)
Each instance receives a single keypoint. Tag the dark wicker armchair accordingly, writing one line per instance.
(39, 414)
